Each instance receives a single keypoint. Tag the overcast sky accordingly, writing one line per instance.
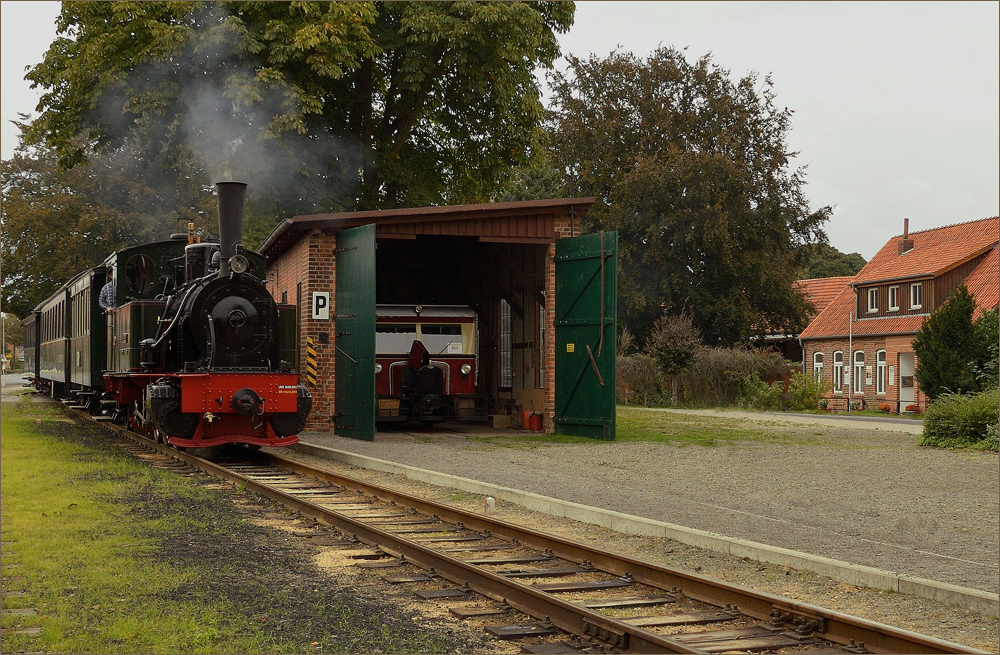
(895, 103)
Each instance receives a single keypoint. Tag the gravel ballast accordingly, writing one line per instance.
(860, 492)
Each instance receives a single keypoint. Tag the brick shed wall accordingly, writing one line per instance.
(311, 263)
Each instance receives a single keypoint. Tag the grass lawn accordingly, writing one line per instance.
(120, 557)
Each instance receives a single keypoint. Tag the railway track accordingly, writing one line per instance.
(576, 599)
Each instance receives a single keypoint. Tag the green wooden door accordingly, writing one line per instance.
(586, 328)
(354, 393)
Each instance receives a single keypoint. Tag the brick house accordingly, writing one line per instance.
(860, 344)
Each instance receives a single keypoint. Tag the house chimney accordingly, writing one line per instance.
(906, 243)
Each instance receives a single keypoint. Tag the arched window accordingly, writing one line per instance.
(838, 371)
(859, 372)
(818, 367)
(881, 370)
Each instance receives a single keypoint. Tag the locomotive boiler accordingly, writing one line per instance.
(183, 341)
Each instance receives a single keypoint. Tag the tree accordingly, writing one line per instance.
(948, 347)
(674, 344)
(823, 260)
(59, 223)
(320, 105)
(987, 328)
(13, 330)
(693, 172)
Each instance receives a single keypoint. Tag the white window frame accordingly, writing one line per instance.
(894, 298)
(880, 370)
(838, 371)
(916, 295)
(859, 372)
(872, 300)
(818, 366)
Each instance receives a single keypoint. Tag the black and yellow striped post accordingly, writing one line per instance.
(310, 362)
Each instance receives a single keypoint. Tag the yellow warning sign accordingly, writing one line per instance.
(310, 362)
(570, 347)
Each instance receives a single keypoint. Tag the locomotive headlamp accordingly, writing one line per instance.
(378, 369)
(466, 369)
(238, 264)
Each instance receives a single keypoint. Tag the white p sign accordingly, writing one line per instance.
(321, 305)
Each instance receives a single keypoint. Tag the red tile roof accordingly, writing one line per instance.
(934, 251)
(984, 282)
(820, 291)
(834, 321)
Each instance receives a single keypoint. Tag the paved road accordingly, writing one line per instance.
(12, 379)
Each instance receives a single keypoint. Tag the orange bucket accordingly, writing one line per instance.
(536, 421)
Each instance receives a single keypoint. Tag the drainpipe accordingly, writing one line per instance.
(850, 349)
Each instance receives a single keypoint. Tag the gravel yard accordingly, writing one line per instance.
(856, 491)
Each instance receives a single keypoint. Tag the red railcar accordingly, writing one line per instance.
(427, 364)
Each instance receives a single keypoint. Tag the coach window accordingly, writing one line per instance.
(818, 367)
(880, 369)
(894, 298)
(916, 295)
(859, 371)
(838, 371)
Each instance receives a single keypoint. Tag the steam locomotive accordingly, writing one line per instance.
(177, 338)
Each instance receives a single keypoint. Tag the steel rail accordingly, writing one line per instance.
(831, 625)
(778, 611)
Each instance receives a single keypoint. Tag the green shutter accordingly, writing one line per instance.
(354, 394)
(586, 328)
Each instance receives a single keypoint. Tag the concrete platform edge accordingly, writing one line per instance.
(973, 599)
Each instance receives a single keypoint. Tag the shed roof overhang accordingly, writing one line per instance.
(528, 221)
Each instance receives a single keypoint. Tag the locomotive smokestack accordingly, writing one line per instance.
(232, 199)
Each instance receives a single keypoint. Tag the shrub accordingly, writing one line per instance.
(638, 380)
(758, 394)
(885, 407)
(824, 403)
(992, 440)
(718, 375)
(803, 392)
(956, 421)
(912, 408)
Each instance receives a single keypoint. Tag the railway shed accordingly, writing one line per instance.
(545, 297)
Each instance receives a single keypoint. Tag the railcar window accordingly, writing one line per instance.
(394, 338)
(442, 339)
(441, 329)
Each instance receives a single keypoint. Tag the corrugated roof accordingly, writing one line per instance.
(821, 291)
(934, 251)
(984, 282)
